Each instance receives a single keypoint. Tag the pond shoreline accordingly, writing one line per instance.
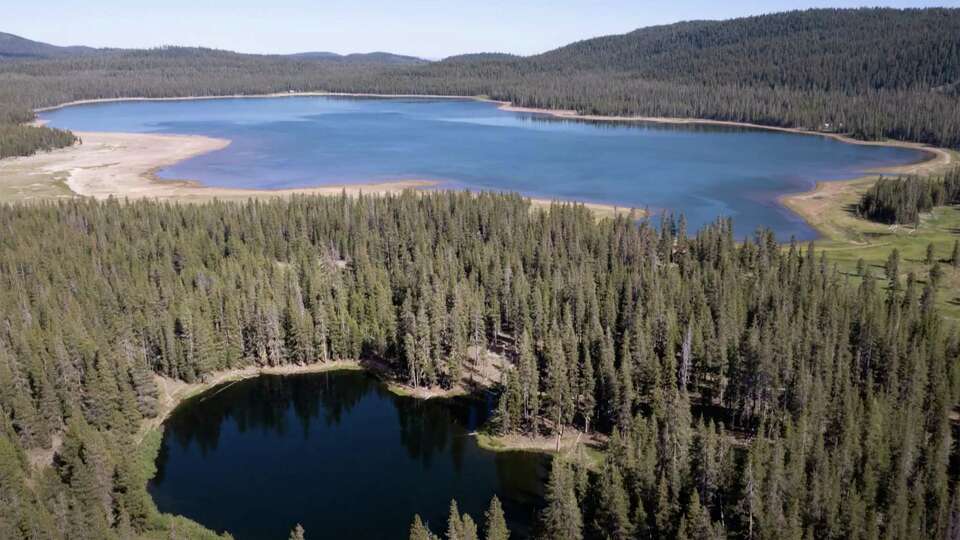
(302, 425)
(175, 392)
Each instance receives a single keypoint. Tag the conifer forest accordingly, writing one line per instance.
(729, 387)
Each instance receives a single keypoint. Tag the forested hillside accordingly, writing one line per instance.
(840, 394)
(873, 73)
(13, 47)
(360, 58)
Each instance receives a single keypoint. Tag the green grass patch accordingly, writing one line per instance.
(940, 228)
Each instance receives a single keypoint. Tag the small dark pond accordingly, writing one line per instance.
(337, 453)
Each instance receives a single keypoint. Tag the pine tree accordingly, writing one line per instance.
(698, 519)
(130, 495)
(587, 401)
(297, 533)
(469, 529)
(663, 519)
(419, 531)
(936, 274)
(893, 269)
(496, 524)
(561, 517)
(613, 505)
(529, 379)
(455, 530)
(557, 395)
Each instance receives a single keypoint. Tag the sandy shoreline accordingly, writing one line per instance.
(573, 115)
(123, 165)
(822, 207)
(267, 96)
(510, 107)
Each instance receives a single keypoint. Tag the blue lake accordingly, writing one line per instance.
(702, 171)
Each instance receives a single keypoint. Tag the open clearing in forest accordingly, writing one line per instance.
(847, 238)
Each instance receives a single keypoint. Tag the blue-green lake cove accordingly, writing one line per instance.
(337, 453)
(704, 172)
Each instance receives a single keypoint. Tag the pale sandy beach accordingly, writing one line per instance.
(123, 164)
(825, 207)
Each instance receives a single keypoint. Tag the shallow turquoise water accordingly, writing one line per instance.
(702, 171)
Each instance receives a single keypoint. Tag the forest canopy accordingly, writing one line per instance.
(831, 394)
(901, 200)
(835, 396)
(17, 139)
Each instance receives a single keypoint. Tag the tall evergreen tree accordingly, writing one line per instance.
(496, 524)
(561, 517)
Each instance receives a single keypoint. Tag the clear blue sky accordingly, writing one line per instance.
(427, 28)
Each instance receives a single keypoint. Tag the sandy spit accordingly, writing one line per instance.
(819, 206)
(124, 165)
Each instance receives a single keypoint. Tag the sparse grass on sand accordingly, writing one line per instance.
(585, 449)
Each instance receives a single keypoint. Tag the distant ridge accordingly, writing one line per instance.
(482, 57)
(16, 47)
(12, 46)
(870, 73)
(378, 57)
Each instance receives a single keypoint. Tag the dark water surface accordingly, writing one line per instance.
(703, 171)
(337, 453)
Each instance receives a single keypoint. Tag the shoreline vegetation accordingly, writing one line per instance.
(173, 393)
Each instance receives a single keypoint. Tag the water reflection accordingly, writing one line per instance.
(336, 452)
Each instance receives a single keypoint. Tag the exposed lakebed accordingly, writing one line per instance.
(338, 453)
(702, 171)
